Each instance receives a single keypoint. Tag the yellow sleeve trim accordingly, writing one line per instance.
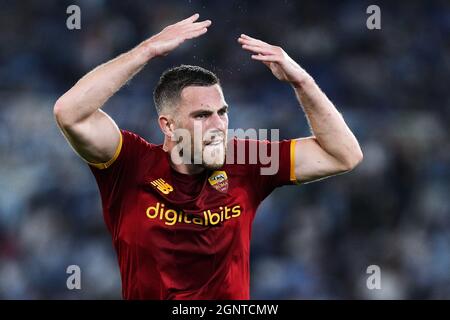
(105, 165)
(292, 176)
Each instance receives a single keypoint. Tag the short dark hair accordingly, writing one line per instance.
(174, 80)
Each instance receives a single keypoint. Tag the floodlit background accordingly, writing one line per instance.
(312, 241)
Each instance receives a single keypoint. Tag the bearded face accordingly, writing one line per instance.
(201, 127)
(203, 149)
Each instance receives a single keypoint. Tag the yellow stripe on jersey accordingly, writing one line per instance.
(105, 165)
(292, 177)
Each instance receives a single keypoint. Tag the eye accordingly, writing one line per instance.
(201, 116)
(222, 112)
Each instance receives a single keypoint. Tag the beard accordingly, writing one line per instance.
(213, 155)
(212, 150)
(207, 151)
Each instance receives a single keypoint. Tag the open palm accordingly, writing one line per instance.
(275, 58)
(175, 34)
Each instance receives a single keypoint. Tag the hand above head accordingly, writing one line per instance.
(175, 34)
(276, 59)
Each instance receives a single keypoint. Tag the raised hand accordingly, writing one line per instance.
(275, 58)
(175, 34)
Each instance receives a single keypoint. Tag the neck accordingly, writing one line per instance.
(181, 168)
(187, 168)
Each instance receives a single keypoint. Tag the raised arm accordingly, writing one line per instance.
(89, 130)
(333, 148)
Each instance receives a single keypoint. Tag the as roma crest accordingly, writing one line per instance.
(219, 181)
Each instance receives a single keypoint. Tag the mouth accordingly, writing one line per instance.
(213, 142)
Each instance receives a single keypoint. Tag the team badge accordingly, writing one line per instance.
(219, 181)
(162, 186)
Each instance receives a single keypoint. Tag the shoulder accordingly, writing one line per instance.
(134, 143)
(132, 150)
(247, 151)
(133, 138)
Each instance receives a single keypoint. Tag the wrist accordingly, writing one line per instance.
(302, 82)
(143, 52)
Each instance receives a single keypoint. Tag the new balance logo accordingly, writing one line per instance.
(162, 186)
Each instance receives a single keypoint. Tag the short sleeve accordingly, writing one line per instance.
(117, 175)
(270, 164)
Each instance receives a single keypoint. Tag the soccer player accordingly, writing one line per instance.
(182, 229)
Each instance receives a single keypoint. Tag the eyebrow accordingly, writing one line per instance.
(207, 111)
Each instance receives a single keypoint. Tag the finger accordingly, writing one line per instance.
(253, 40)
(255, 49)
(247, 37)
(195, 34)
(264, 58)
(244, 41)
(191, 19)
(186, 29)
(200, 25)
(254, 43)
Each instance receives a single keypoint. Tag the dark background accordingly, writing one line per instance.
(312, 241)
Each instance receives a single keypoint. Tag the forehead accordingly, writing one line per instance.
(195, 97)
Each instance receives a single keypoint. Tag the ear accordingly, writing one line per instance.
(167, 126)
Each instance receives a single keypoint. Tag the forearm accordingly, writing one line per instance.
(327, 124)
(93, 90)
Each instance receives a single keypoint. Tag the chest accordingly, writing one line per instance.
(215, 219)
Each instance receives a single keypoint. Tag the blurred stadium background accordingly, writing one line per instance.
(313, 241)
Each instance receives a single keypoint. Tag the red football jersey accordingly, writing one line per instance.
(181, 236)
